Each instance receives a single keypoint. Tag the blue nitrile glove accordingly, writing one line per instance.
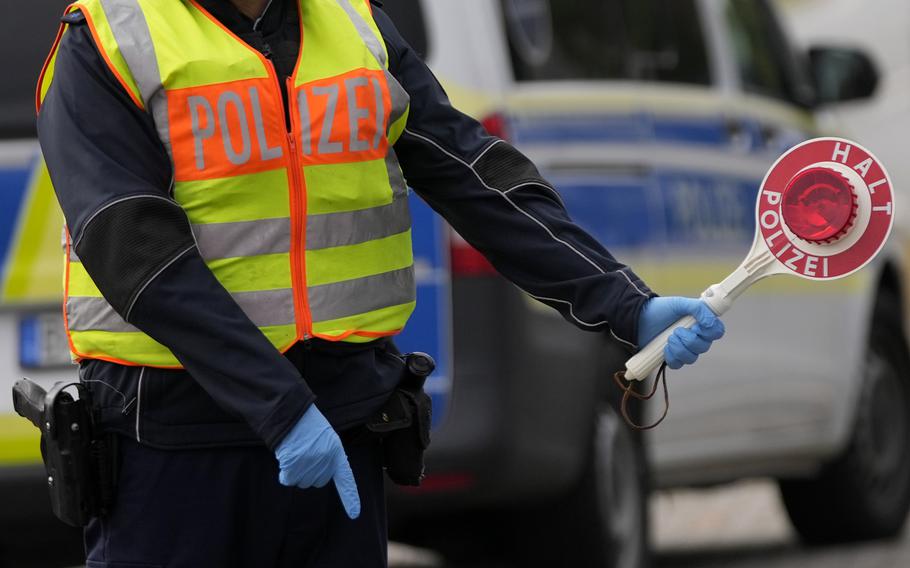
(685, 345)
(311, 455)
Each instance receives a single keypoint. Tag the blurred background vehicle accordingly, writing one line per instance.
(657, 120)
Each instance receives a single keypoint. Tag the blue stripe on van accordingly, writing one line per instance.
(615, 211)
(579, 128)
(634, 128)
(662, 208)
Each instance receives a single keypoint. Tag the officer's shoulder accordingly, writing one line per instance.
(376, 3)
(74, 18)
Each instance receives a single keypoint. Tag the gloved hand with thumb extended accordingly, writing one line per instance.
(685, 345)
(311, 455)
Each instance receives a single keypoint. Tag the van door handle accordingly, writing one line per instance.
(738, 136)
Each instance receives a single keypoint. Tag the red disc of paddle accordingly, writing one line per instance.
(825, 208)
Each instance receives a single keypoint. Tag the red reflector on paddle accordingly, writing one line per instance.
(819, 205)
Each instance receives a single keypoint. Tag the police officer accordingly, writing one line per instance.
(233, 176)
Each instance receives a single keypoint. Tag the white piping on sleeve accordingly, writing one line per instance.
(129, 310)
(111, 204)
(539, 184)
(485, 150)
(634, 285)
(506, 197)
(518, 208)
(473, 165)
(582, 322)
(621, 340)
(139, 402)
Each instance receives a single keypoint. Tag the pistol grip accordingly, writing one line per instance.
(28, 401)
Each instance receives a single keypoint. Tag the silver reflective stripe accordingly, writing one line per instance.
(400, 99)
(354, 227)
(373, 43)
(266, 308)
(246, 238)
(362, 295)
(134, 39)
(85, 313)
(396, 177)
(158, 106)
(135, 42)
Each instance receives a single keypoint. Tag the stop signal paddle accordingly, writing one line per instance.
(825, 209)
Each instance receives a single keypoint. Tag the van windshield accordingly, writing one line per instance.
(645, 40)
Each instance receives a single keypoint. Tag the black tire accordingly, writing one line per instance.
(865, 493)
(602, 522)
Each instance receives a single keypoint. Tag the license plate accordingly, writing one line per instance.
(42, 341)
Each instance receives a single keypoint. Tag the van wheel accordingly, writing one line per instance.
(865, 493)
(603, 521)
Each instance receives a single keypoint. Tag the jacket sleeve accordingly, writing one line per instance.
(112, 177)
(495, 198)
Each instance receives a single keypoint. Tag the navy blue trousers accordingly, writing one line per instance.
(224, 508)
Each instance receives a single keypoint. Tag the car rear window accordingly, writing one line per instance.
(647, 40)
(27, 34)
(408, 18)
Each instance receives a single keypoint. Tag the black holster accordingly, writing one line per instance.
(403, 423)
(80, 462)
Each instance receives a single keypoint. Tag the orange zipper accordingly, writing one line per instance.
(298, 198)
(297, 185)
(298, 216)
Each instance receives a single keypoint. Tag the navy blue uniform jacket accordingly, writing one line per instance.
(237, 388)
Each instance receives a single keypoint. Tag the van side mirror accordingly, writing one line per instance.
(842, 74)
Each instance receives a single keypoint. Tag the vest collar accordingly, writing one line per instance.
(233, 19)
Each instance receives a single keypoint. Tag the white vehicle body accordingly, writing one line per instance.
(776, 397)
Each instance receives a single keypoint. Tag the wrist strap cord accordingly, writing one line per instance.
(629, 393)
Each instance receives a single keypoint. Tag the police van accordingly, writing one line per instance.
(656, 120)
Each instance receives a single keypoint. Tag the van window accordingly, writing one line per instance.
(408, 18)
(27, 34)
(645, 40)
(762, 57)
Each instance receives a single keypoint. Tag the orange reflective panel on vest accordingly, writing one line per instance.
(343, 119)
(225, 129)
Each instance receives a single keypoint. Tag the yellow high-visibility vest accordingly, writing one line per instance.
(307, 228)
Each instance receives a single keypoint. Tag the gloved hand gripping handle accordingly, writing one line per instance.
(718, 297)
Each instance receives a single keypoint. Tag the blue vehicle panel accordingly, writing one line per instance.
(707, 210)
(614, 210)
(429, 329)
